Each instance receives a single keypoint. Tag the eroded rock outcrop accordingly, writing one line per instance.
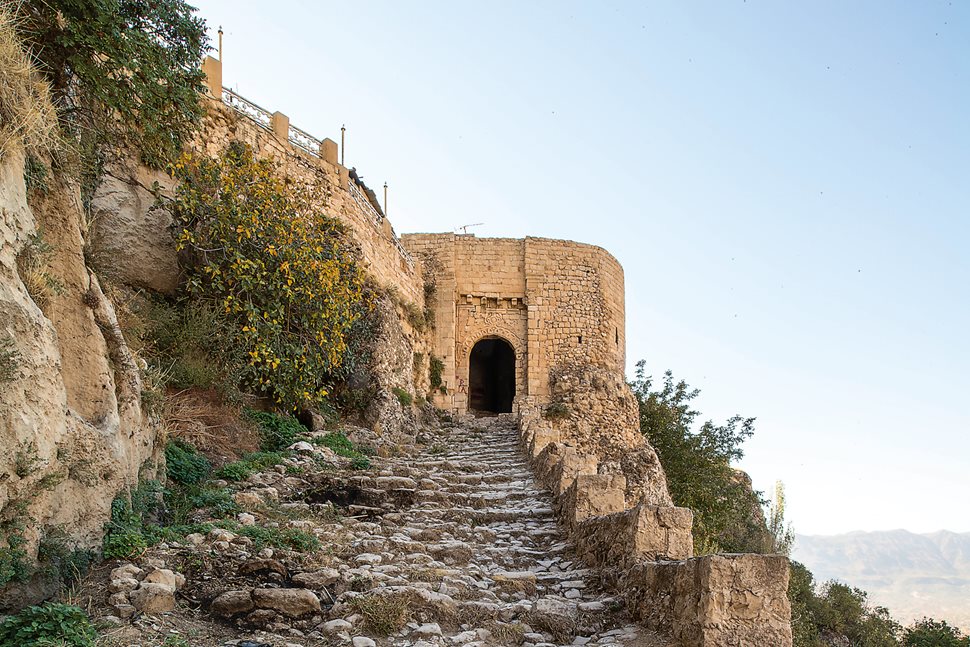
(71, 420)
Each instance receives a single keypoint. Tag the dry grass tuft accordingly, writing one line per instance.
(506, 634)
(27, 115)
(561, 628)
(383, 614)
(213, 427)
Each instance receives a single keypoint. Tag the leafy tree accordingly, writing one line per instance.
(124, 71)
(781, 533)
(284, 276)
(727, 513)
(934, 633)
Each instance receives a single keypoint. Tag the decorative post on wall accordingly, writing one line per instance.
(385, 199)
(220, 42)
(343, 129)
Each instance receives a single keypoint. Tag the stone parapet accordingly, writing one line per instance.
(714, 600)
(644, 551)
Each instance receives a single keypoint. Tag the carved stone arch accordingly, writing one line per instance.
(476, 323)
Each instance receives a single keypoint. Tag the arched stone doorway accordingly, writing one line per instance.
(491, 376)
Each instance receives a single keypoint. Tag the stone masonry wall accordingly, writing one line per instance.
(644, 551)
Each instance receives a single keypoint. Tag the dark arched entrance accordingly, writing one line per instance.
(491, 376)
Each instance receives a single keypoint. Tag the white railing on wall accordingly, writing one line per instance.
(247, 108)
(264, 118)
(309, 144)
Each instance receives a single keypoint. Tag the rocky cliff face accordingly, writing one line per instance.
(71, 418)
(70, 414)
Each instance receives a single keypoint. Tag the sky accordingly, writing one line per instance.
(787, 186)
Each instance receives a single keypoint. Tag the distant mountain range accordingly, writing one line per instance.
(913, 575)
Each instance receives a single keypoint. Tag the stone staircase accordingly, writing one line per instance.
(479, 554)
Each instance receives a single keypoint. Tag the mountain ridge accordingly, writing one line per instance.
(912, 574)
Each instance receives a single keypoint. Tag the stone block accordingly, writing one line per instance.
(541, 435)
(592, 495)
(643, 533)
(280, 125)
(212, 68)
(328, 151)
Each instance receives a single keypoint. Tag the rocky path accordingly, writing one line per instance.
(482, 534)
(447, 543)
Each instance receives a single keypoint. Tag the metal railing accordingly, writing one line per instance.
(309, 144)
(245, 107)
(305, 141)
(377, 219)
(264, 118)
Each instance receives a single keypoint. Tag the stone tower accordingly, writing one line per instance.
(509, 312)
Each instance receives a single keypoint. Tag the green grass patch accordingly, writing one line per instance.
(276, 431)
(184, 464)
(405, 398)
(249, 464)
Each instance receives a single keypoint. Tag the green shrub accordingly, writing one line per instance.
(176, 641)
(14, 563)
(248, 464)
(337, 442)
(131, 512)
(182, 502)
(184, 464)
(59, 559)
(276, 431)
(934, 633)
(236, 471)
(185, 344)
(435, 369)
(556, 411)
(51, 625)
(124, 543)
(836, 614)
(36, 175)
(697, 461)
(342, 446)
(291, 538)
(405, 398)
(282, 275)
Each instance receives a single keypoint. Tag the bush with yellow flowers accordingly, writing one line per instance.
(284, 274)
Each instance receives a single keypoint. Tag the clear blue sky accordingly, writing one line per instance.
(786, 184)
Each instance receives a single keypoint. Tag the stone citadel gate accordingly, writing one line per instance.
(510, 312)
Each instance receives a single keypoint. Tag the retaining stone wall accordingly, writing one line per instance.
(644, 550)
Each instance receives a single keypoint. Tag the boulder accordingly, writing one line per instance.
(152, 597)
(318, 579)
(165, 576)
(232, 603)
(290, 602)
